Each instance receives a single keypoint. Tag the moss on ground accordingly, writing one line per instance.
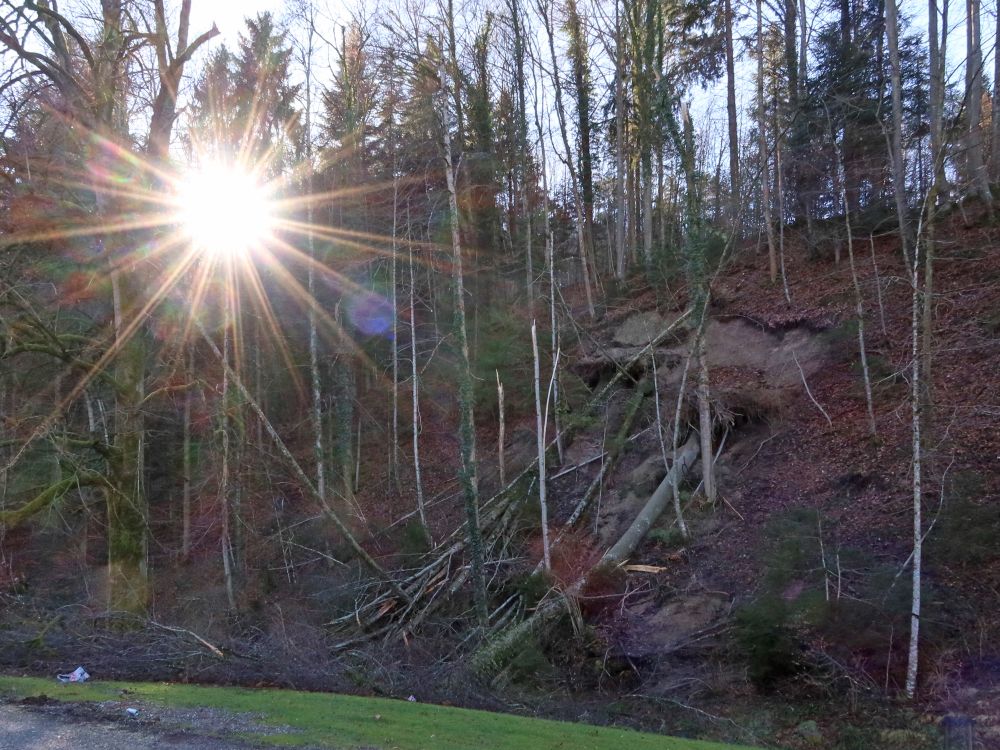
(345, 722)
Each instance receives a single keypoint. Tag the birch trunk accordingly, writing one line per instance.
(415, 388)
(540, 432)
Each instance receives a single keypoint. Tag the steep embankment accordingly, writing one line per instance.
(795, 579)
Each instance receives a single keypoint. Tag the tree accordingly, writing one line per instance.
(580, 65)
(762, 154)
(91, 82)
(586, 267)
(974, 165)
(896, 141)
(734, 138)
(467, 429)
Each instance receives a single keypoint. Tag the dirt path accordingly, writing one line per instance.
(66, 727)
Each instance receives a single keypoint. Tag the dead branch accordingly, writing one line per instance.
(174, 629)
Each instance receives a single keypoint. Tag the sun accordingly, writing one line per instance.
(224, 211)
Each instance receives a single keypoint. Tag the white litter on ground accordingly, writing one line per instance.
(77, 675)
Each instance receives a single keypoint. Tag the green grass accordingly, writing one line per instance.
(345, 722)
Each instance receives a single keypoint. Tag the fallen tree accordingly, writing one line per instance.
(654, 507)
(492, 657)
(401, 607)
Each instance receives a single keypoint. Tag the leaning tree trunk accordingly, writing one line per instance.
(654, 507)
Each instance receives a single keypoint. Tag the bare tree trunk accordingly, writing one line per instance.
(467, 429)
(620, 168)
(765, 180)
(705, 426)
(781, 219)
(975, 170)
(994, 171)
(316, 387)
(226, 540)
(734, 138)
(522, 145)
(540, 430)
(186, 455)
(415, 387)
(898, 166)
(937, 77)
(578, 52)
(455, 71)
(343, 415)
(647, 210)
(501, 433)
(916, 397)
(581, 231)
(394, 461)
(553, 322)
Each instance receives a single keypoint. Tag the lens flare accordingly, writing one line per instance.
(224, 211)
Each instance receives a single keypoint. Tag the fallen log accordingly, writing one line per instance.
(621, 438)
(499, 649)
(657, 503)
(382, 614)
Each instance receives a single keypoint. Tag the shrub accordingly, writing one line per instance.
(967, 531)
(767, 641)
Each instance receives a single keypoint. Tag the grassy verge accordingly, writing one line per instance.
(345, 722)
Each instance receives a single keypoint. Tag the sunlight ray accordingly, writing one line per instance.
(299, 294)
(265, 307)
(117, 342)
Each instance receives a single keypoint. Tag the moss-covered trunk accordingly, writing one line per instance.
(127, 523)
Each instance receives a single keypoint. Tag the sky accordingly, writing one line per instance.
(228, 15)
(708, 103)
